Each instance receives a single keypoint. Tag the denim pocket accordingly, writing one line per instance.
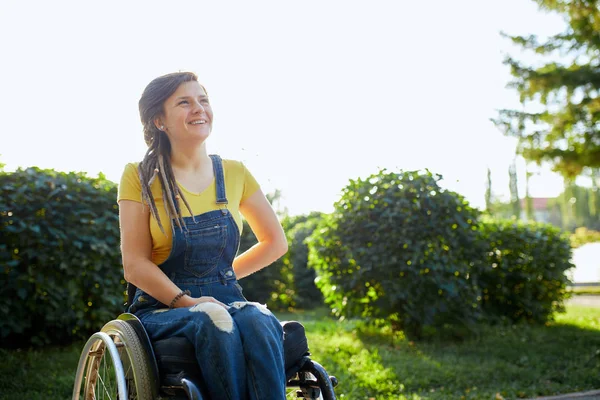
(204, 248)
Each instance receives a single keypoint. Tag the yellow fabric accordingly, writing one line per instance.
(239, 185)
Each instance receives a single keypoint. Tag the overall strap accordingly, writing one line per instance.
(220, 179)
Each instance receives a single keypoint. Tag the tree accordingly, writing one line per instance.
(566, 133)
(593, 199)
(514, 190)
(528, 200)
(577, 205)
(567, 200)
(488, 192)
(275, 200)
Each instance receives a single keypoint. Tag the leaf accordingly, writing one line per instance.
(22, 293)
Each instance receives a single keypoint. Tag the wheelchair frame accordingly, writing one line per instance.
(136, 374)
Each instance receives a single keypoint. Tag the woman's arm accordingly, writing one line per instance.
(272, 243)
(136, 249)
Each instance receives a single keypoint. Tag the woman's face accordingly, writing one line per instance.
(187, 115)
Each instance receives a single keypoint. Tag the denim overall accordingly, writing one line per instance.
(239, 349)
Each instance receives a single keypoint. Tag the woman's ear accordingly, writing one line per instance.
(159, 125)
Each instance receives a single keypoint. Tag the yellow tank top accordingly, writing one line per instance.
(239, 185)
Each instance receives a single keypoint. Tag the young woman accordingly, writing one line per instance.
(180, 222)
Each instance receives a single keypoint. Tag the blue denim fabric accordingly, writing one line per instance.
(240, 349)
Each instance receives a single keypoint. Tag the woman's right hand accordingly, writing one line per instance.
(188, 301)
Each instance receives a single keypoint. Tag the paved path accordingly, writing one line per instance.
(585, 300)
(593, 394)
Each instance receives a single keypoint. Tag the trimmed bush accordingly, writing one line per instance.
(523, 276)
(59, 256)
(401, 248)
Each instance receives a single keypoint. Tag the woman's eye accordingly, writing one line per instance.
(182, 102)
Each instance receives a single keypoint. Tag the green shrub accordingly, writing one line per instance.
(288, 282)
(59, 256)
(523, 276)
(271, 285)
(306, 293)
(399, 247)
(584, 236)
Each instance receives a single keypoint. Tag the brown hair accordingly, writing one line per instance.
(157, 161)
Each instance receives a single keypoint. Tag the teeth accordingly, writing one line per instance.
(198, 122)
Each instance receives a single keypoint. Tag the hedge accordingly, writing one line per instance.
(59, 256)
(523, 275)
(400, 248)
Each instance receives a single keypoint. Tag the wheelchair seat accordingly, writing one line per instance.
(168, 369)
(176, 355)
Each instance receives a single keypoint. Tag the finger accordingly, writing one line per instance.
(223, 304)
(210, 299)
(220, 303)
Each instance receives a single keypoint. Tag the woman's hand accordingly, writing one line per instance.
(187, 301)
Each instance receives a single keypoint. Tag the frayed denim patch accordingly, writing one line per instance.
(261, 307)
(217, 314)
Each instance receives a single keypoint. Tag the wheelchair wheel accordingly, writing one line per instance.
(114, 365)
(305, 386)
(312, 382)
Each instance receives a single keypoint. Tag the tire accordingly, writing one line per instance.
(114, 365)
(135, 364)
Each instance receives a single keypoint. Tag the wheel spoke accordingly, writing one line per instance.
(130, 383)
(105, 390)
(101, 374)
(111, 369)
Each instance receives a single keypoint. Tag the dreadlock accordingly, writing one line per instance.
(157, 162)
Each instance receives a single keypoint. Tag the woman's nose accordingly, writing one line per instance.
(198, 107)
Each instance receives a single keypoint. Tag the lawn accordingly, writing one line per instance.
(514, 362)
(511, 362)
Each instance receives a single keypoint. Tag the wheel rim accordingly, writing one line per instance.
(101, 381)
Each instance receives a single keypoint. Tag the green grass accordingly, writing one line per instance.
(522, 361)
(38, 374)
(515, 362)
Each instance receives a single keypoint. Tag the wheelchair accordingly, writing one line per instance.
(120, 362)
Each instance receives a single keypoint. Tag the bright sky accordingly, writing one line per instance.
(308, 94)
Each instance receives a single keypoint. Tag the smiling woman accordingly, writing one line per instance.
(155, 111)
(180, 215)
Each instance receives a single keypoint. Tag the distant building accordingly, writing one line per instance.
(541, 212)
